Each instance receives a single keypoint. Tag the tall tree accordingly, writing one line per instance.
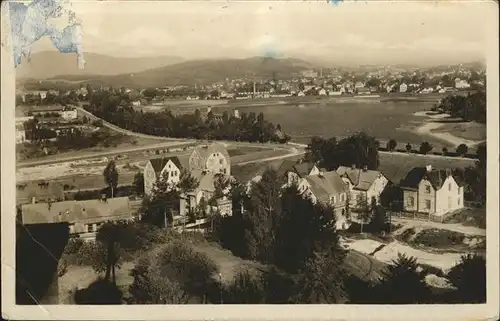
(391, 145)
(402, 283)
(139, 183)
(425, 148)
(260, 215)
(462, 149)
(469, 278)
(110, 174)
(109, 236)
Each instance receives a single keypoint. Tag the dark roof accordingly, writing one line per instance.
(159, 163)
(302, 169)
(76, 211)
(360, 178)
(435, 176)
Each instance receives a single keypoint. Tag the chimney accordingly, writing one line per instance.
(104, 198)
(428, 168)
(365, 168)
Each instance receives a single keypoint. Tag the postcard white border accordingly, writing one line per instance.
(250, 312)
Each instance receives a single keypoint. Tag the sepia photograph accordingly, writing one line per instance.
(249, 153)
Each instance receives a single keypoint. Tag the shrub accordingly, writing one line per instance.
(438, 238)
(73, 246)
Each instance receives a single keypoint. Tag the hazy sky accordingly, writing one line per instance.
(351, 32)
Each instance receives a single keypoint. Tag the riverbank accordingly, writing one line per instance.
(453, 133)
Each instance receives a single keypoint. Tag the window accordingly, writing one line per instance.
(428, 189)
(225, 171)
(221, 161)
(90, 228)
(427, 204)
(458, 201)
(333, 199)
(449, 186)
(71, 228)
(411, 201)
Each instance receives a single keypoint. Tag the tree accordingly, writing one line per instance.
(109, 235)
(445, 151)
(359, 149)
(139, 183)
(379, 220)
(259, 218)
(150, 287)
(391, 145)
(110, 174)
(246, 288)
(462, 149)
(174, 273)
(408, 147)
(187, 183)
(365, 211)
(469, 278)
(402, 283)
(99, 292)
(321, 282)
(158, 209)
(425, 148)
(303, 229)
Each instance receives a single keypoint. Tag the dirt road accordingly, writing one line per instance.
(454, 227)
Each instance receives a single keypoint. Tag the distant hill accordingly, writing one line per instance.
(49, 64)
(199, 71)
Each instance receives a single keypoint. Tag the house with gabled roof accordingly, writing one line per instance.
(204, 164)
(364, 185)
(157, 167)
(84, 217)
(294, 171)
(432, 191)
(329, 189)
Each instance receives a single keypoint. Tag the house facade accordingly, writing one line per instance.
(158, 167)
(432, 191)
(205, 163)
(329, 189)
(364, 185)
(84, 217)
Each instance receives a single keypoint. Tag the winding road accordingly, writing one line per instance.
(164, 142)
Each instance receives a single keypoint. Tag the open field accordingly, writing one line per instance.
(395, 166)
(465, 130)
(87, 174)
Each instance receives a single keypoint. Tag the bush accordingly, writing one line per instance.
(438, 238)
(99, 292)
(73, 246)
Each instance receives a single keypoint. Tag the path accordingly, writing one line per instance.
(454, 227)
(429, 127)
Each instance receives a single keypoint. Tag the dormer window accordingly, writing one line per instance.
(333, 199)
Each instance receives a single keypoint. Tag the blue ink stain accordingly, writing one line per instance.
(334, 2)
(29, 23)
(269, 51)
